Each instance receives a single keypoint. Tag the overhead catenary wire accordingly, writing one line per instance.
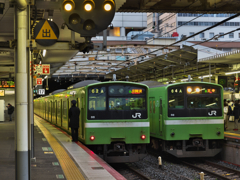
(166, 46)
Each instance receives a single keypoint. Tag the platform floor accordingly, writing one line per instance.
(45, 166)
(57, 157)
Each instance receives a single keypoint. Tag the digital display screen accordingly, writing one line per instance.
(136, 91)
(201, 90)
(176, 90)
(97, 90)
(120, 90)
(7, 84)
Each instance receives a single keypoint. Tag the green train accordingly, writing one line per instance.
(186, 119)
(113, 121)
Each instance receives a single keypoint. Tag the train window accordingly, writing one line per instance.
(97, 98)
(176, 102)
(203, 102)
(127, 103)
(176, 98)
(64, 107)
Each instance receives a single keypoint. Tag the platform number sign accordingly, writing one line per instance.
(41, 91)
(176, 90)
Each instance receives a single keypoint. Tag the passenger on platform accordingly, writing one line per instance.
(231, 111)
(226, 116)
(10, 111)
(236, 115)
(73, 115)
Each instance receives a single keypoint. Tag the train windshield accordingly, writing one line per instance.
(118, 101)
(195, 100)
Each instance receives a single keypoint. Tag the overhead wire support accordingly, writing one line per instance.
(166, 46)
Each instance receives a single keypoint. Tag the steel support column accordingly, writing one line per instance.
(21, 97)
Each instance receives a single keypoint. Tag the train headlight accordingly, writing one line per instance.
(68, 5)
(92, 138)
(197, 90)
(108, 5)
(143, 137)
(88, 5)
(189, 90)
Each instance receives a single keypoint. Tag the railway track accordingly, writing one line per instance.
(213, 170)
(129, 172)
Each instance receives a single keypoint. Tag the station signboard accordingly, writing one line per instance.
(39, 81)
(42, 69)
(41, 92)
(2, 92)
(46, 33)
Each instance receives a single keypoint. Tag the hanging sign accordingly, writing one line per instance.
(2, 92)
(42, 69)
(46, 33)
(39, 81)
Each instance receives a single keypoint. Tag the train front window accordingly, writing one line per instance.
(117, 101)
(176, 98)
(127, 103)
(203, 102)
(97, 98)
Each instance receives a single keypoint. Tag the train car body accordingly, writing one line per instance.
(186, 119)
(113, 120)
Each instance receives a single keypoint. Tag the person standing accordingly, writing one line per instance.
(236, 115)
(73, 115)
(226, 116)
(10, 111)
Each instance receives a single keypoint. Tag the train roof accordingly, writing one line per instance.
(83, 83)
(58, 91)
(153, 84)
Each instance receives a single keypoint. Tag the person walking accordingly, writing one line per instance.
(73, 115)
(10, 111)
(226, 116)
(236, 115)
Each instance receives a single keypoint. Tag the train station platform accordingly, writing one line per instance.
(230, 149)
(57, 157)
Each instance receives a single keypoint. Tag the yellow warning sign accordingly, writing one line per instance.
(46, 32)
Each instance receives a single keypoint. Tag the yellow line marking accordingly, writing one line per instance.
(69, 168)
(234, 134)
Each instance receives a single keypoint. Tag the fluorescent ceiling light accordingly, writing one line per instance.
(44, 52)
(45, 77)
(200, 77)
(234, 72)
(186, 79)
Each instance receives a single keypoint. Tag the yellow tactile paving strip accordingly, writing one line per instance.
(69, 168)
(233, 134)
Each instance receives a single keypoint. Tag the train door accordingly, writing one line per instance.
(45, 109)
(51, 110)
(152, 113)
(68, 107)
(59, 113)
(82, 118)
(160, 116)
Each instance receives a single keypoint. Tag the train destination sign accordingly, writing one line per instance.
(46, 33)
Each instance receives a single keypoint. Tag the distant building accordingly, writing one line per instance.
(165, 25)
(123, 23)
